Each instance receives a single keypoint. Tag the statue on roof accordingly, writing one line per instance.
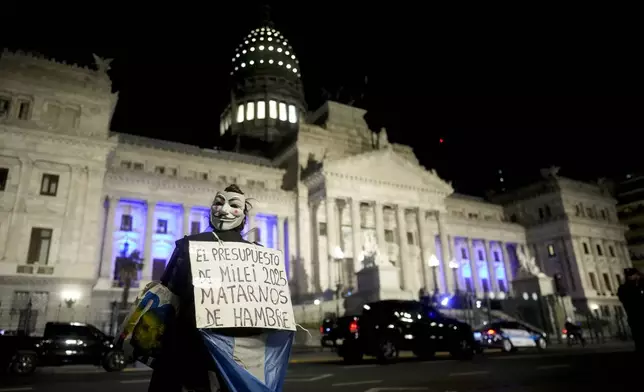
(102, 65)
(383, 139)
(551, 172)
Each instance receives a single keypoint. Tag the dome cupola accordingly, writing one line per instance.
(267, 98)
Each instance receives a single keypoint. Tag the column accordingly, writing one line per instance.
(14, 229)
(474, 267)
(408, 275)
(186, 219)
(380, 230)
(446, 252)
(627, 255)
(507, 266)
(149, 231)
(107, 259)
(427, 247)
(491, 270)
(281, 238)
(331, 229)
(356, 233)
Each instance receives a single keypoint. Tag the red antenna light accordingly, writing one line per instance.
(441, 140)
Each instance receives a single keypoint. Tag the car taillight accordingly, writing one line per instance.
(491, 332)
(321, 329)
(353, 327)
(565, 331)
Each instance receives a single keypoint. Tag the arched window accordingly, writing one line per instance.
(240, 113)
(292, 114)
(272, 109)
(283, 114)
(261, 110)
(250, 111)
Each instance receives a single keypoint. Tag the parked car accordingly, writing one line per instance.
(62, 344)
(387, 327)
(510, 336)
(331, 330)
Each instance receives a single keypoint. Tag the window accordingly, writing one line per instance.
(23, 110)
(282, 111)
(590, 213)
(5, 104)
(126, 165)
(4, 176)
(250, 111)
(272, 109)
(618, 278)
(172, 172)
(468, 285)
(593, 281)
(611, 250)
(496, 256)
(322, 228)
(261, 110)
(541, 213)
(39, 245)
(49, 184)
(162, 226)
(203, 176)
(480, 253)
(551, 250)
(463, 253)
(586, 250)
(502, 287)
(69, 118)
(410, 238)
(126, 222)
(578, 210)
(240, 114)
(389, 236)
(158, 266)
(604, 215)
(195, 227)
(485, 284)
(607, 282)
(292, 114)
(600, 252)
(548, 211)
(138, 166)
(159, 170)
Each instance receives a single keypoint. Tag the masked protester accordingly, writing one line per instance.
(631, 294)
(161, 329)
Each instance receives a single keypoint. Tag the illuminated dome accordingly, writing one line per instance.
(265, 50)
(267, 98)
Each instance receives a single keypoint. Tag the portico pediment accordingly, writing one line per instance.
(386, 167)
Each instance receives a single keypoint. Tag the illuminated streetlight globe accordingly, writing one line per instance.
(453, 264)
(433, 261)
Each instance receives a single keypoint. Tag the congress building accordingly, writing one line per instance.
(74, 196)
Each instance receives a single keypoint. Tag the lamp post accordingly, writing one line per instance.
(433, 263)
(69, 298)
(338, 256)
(453, 265)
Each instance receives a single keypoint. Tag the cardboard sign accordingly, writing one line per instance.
(240, 285)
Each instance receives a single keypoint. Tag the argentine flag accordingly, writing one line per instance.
(249, 364)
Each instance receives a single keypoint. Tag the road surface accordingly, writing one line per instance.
(571, 370)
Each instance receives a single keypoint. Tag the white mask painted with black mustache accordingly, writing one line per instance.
(227, 211)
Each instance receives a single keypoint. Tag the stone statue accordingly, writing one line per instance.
(551, 172)
(370, 251)
(528, 264)
(102, 65)
(383, 139)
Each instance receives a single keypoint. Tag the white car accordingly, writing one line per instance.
(509, 336)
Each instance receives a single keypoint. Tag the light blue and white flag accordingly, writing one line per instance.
(250, 364)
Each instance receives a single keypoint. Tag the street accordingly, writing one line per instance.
(591, 369)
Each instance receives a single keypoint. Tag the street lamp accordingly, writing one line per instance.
(453, 265)
(70, 297)
(433, 263)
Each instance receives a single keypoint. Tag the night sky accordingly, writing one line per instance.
(505, 89)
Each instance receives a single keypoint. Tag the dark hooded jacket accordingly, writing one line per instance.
(184, 360)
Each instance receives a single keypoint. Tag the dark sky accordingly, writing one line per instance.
(511, 89)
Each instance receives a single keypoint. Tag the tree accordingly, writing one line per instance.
(128, 268)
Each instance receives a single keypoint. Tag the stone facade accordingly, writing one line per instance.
(76, 196)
